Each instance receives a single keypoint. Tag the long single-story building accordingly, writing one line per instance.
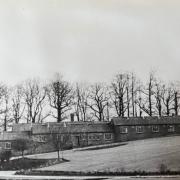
(126, 129)
(82, 134)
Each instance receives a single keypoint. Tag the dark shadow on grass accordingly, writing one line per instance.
(28, 163)
(103, 147)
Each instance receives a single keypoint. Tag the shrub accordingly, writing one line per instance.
(5, 155)
(163, 168)
(21, 145)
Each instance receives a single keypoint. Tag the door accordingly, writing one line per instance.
(76, 141)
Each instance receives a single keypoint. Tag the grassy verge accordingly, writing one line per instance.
(102, 146)
(27, 163)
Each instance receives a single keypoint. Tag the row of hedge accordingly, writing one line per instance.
(96, 173)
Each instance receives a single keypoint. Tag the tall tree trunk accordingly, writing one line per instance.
(107, 111)
(59, 115)
(58, 155)
(100, 116)
(5, 123)
(77, 115)
(132, 94)
(84, 116)
(140, 113)
(160, 110)
(133, 105)
(128, 106)
(176, 103)
(150, 103)
(167, 109)
(122, 107)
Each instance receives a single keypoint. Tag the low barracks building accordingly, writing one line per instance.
(126, 129)
(82, 134)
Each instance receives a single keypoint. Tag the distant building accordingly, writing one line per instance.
(126, 129)
(82, 134)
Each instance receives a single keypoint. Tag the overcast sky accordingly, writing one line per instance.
(89, 40)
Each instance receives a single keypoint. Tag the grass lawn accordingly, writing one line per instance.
(142, 155)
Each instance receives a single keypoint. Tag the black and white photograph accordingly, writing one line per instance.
(90, 89)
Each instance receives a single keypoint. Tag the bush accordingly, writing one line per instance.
(5, 155)
(163, 168)
(68, 147)
(21, 145)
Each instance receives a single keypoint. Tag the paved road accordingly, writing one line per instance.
(136, 155)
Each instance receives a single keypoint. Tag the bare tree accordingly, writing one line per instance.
(34, 94)
(167, 98)
(158, 94)
(134, 90)
(4, 106)
(148, 96)
(176, 103)
(128, 96)
(139, 99)
(119, 88)
(176, 98)
(18, 104)
(81, 102)
(60, 97)
(76, 102)
(98, 99)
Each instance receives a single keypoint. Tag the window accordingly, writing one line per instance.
(155, 129)
(97, 137)
(139, 129)
(107, 136)
(43, 138)
(83, 137)
(7, 145)
(94, 137)
(171, 129)
(123, 130)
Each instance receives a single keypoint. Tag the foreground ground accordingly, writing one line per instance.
(10, 175)
(141, 155)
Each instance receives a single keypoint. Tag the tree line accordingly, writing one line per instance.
(34, 100)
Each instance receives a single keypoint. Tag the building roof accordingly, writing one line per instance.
(21, 127)
(81, 127)
(64, 127)
(10, 136)
(145, 120)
